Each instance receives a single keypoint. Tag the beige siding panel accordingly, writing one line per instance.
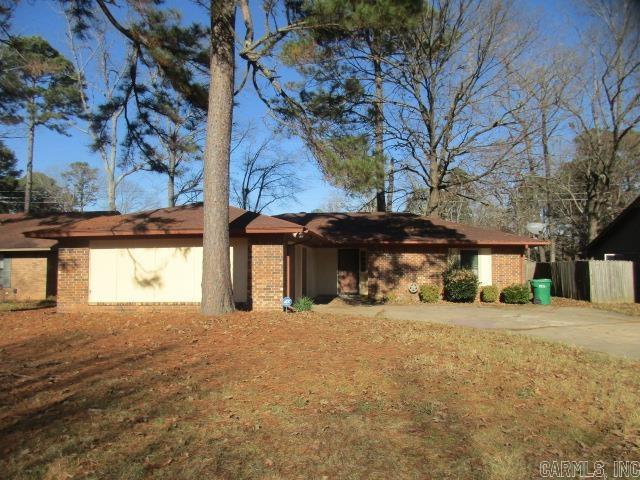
(311, 272)
(485, 270)
(158, 270)
(326, 271)
(103, 278)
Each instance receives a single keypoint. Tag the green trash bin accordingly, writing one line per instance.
(541, 291)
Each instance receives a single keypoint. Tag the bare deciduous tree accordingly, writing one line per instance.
(452, 99)
(608, 114)
(100, 109)
(545, 83)
(263, 178)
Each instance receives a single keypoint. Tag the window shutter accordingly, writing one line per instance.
(5, 272)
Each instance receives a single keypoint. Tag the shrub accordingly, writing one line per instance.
(460, 285)
(489, 294)
(516, 293)
(429, 293)
(303, 304)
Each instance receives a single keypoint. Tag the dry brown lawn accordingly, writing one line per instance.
(299, 396)
(632, 309)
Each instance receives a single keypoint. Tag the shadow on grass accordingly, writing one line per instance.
(27, 305)
(285, 396)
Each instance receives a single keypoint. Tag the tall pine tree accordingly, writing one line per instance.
(199, 62)
(8, 180)
(44, 92)
(344, 69)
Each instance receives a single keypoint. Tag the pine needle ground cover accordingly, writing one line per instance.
(308, 395)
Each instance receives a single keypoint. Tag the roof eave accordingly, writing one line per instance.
(26, 249)
(503, 243)
(154, 233)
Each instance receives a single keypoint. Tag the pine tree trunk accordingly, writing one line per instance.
(217, 296)
(381, 205)
(111, 167)
(171, 181)
(28, 184)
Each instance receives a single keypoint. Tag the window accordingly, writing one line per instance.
(469, 259)
(5, 272)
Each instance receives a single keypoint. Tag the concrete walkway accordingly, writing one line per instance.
(590, 328)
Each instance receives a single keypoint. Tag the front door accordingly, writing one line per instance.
(348, 271)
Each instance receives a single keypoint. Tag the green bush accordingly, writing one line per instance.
(489, 294)
(303, 304)
(516, 293)
(429, 293)
(460, 285)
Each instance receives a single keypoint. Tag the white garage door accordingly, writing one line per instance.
(158, 271)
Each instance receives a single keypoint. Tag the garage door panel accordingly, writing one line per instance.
(138, 277)
(177, 267)
(142, 271)
(102, 275)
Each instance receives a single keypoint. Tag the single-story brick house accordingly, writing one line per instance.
(154, 259)
(28, 266)
(383, 254)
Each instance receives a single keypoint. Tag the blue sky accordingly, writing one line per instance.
(54, 151)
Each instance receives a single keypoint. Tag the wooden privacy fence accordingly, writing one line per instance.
(598, 281)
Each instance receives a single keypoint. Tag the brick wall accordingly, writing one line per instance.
(393, 269)
(28, 276)
(507, 266)
(266, 273)
(73, 277)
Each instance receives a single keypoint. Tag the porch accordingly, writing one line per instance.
(379, 271)
(325, 272)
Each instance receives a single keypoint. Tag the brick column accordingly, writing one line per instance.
(266, 272)
(73, 278)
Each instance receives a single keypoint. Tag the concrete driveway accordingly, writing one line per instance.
(590, 328)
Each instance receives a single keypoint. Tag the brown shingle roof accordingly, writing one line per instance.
(400, 228)
(615, 223)
(183, 220)
(14, 225)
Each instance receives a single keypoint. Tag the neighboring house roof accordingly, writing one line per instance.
(400, 228)
(14, 225)
(183, 220)
(616, 223)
